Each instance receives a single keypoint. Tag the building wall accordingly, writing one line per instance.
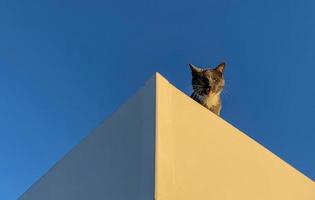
(163, 145)
(200, 156)
(115, 162)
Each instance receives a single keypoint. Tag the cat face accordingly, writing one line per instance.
(207, 81)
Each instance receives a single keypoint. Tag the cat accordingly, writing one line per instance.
(208, 85)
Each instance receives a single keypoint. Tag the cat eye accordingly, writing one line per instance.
(215, 79)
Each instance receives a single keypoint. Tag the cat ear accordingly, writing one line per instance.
(194, 69)
(220, 67)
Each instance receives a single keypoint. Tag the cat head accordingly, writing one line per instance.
(207, 81)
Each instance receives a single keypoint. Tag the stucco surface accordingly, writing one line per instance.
(161, 144)
(200, 156)
(115, 162)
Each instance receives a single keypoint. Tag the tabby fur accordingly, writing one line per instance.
(207, 86)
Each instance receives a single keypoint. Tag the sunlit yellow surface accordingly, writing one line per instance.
(199, 156)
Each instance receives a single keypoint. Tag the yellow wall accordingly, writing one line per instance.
(199, 156)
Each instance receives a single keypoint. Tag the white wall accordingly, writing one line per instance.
(199, 156)
(115, 162)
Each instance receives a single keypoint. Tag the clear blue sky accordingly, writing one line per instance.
(66, 65)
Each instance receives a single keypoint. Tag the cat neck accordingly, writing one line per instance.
(210, 100)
